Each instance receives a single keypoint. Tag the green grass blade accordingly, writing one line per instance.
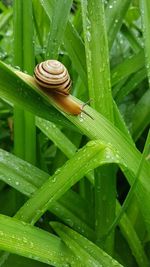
(19, 126)
(127, 67)
(28, 52)
(19, 130)
(58, 138)
(28, 66)
(130, 36)
(48, 7)
(119, 121)
(97, 57)
(130, 85)
(75, 222)
(58, 25)
(141, 115)
(18, 33)
(27, 178)
(115, 13)
(132, 188)
(32, 242)
(75, 47)
(145, 11)
(92, 155)
(88, 253)
(24, 124)
(4, 18)
(133, 240)
(22, 175)
(98, 72)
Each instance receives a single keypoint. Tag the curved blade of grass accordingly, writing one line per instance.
(68, 208)
(58, 138)
(88, 253)
(86, 159)
(20, 173)
(58, 25)
(26, 179)
(130, 85)
(127, 67)
(32, 242)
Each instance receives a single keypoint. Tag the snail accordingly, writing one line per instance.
(54, 80)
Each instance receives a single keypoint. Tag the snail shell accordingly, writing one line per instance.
(53, 76)
(54, 80)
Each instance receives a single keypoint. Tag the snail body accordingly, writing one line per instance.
(54, 80)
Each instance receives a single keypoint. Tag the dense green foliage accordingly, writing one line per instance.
(75, 190)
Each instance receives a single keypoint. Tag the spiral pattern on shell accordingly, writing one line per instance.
(53, 76)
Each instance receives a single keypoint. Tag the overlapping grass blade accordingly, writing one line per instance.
(28, 241)
(69, 208)
(62, 180)
(88, 253)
